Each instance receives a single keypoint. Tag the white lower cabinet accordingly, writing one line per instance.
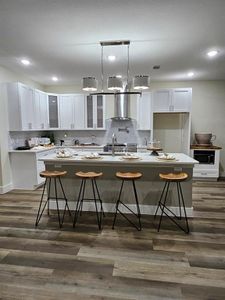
(25, 166)
(208, 166)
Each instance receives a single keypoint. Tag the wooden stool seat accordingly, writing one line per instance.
(48, 174)
(88, 174)
(173, 176)
(128, 175)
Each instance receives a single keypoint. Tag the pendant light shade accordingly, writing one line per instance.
(115, 84)
(89, 84)
(141, 82)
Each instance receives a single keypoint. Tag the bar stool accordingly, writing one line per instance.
(128, 177)
(49, 175)
(92, 176)
(169, 178)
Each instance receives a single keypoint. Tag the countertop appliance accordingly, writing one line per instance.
(205, 156)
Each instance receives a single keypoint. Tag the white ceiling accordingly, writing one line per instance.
(61, 37)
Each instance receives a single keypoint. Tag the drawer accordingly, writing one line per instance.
(205, 173)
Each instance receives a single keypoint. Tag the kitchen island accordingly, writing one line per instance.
(149, 186)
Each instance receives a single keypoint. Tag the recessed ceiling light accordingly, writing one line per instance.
(111, 57)
(190, 74)
(118, 76)
(212, 53)
(25, 62)
(54, 78)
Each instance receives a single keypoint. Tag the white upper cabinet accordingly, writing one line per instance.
(144, 112)
(66, 112)
(172, 100)
(21, 107)
(72, 111)
(95, 112)
(41, 110)
(79, 114)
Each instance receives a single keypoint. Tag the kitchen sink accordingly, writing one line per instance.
(110, 153)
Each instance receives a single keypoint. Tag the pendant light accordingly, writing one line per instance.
(141, 82)
(115, 84)
(89, 84)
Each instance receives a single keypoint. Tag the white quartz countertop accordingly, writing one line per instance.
(42, 148)
(142, 158)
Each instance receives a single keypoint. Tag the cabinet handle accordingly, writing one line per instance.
(204, 173)
(30, 125)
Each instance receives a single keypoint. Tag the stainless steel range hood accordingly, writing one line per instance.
(122, 106)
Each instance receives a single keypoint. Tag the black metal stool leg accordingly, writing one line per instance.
(82, 199)
(39, 215)
(57, 203)
(137, 204)
(96, 207)
(99, 198)
(178, 195)
(78, 204)
(163, 205)
(185, 214)
(160, 200)
(49, 194)
(117, 204)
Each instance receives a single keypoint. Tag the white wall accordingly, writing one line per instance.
(5, 173)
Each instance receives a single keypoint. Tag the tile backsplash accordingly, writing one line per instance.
(125, 131)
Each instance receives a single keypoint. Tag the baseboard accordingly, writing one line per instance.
(6, 188)
(110, 207)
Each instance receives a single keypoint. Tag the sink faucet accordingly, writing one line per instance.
(113, 144)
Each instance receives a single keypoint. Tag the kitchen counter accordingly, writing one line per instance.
(144, 159)
(199, 147)
(43, 149)
(149, 187)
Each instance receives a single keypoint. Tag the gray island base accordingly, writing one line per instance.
(149, 187)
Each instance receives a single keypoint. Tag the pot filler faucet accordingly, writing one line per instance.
(114, 140)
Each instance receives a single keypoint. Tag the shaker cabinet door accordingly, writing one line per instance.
(162, 101)
(66, 112)
(27, 107)
(79, 111)
(144, 112)
(41, 110)
(181, 100)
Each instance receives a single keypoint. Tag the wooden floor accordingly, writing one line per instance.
(85, 263)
